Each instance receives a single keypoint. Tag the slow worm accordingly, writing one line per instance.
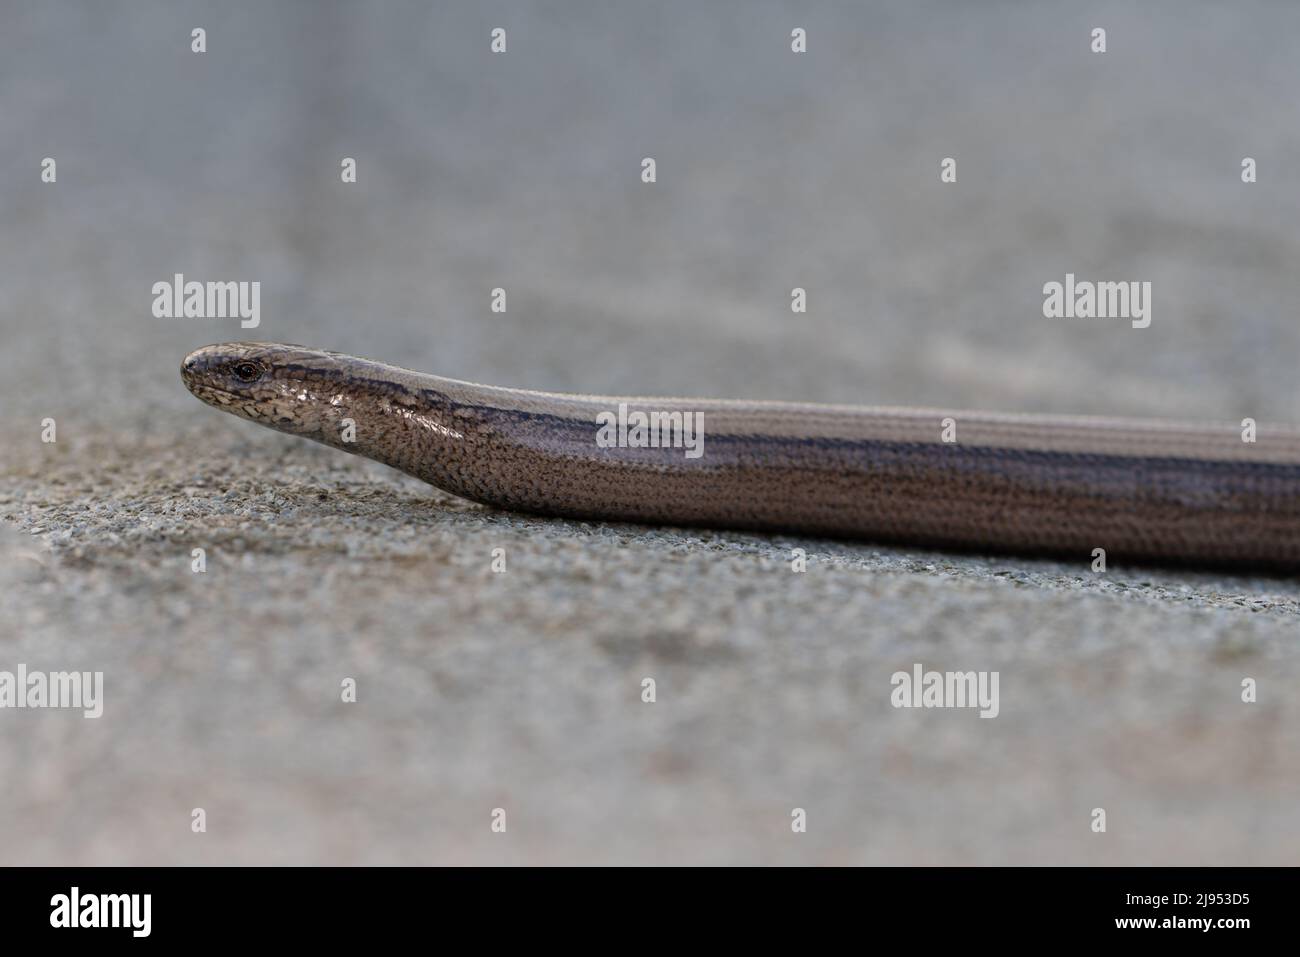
(1141, 490)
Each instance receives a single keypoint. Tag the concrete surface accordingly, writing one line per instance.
(522, 690)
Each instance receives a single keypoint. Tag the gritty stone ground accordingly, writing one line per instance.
(522, 690)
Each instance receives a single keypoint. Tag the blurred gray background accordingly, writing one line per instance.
(522, 170)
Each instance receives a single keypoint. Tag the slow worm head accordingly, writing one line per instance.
(1139, 489)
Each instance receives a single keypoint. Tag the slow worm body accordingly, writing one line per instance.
(1141, 490)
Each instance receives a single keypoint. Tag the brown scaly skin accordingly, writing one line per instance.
(1142, 490)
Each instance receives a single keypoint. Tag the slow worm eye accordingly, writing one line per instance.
(247, 371)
